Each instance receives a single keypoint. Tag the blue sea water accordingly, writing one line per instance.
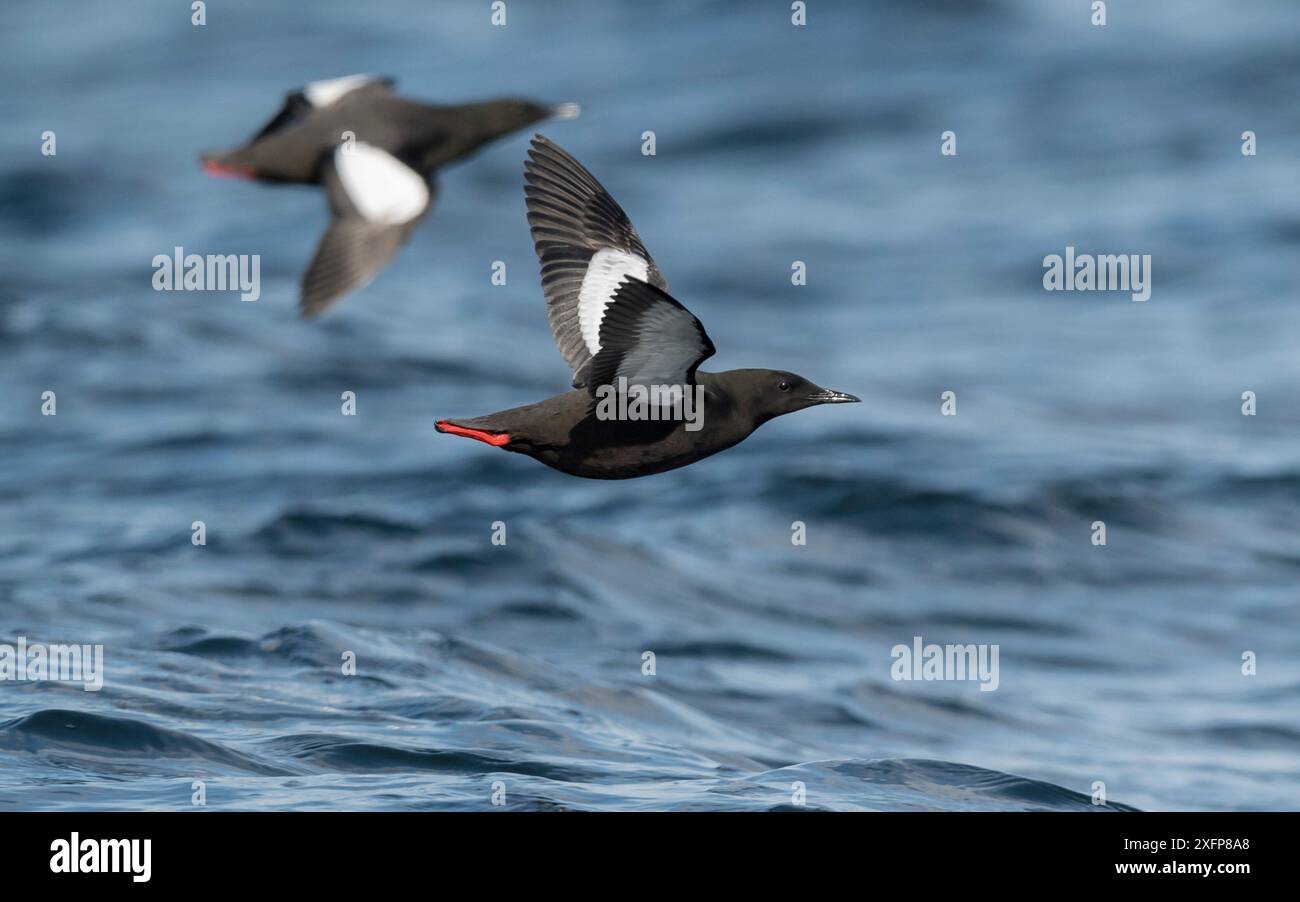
(522, 665)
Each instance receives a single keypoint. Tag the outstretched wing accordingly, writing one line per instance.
(586, 246)
(318, 94)
(648, 338)
(376, 202)
(324, 93)
(296, 107)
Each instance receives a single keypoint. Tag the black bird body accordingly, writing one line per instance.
(620, 330)
(564, 431)
(377, 156)
(423, 136)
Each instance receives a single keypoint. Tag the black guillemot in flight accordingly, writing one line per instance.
(377, 155)
(623, 334)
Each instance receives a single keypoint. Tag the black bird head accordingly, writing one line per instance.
(468, 127)
(764, 394)
(501, 117)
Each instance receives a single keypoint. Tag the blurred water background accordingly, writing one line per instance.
(523, 664)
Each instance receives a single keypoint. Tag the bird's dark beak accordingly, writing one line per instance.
(826, 396)
(566, 111)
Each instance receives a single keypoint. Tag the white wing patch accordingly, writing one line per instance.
(381, 187)
(608, 268)
(323, 93)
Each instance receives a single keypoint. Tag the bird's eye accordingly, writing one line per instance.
(784, 386)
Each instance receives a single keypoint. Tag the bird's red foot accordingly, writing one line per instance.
(492, 438)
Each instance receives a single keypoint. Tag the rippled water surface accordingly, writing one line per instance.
(522, 664)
